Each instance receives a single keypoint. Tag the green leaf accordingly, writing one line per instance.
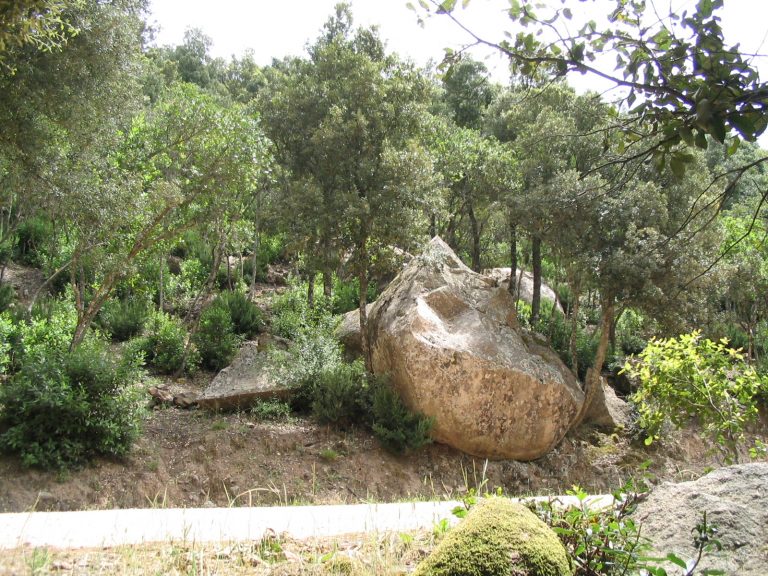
(447, 6)
(677, 561)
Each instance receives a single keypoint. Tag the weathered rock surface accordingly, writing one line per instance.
(348, 332)
(501, 275)
(607, 409)
(450, 341)
(736, 502)
(243, 382)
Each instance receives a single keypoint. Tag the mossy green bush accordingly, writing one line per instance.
(498, 538)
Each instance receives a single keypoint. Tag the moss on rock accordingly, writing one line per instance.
(498, 538)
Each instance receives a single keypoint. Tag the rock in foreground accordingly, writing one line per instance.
(245, 381)
(449, 339)
(736, 502)
(501, 538)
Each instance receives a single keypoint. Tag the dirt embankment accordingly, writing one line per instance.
(194, 458)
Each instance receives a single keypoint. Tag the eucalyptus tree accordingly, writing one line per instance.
(346, 122)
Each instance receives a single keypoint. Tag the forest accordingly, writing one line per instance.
(154, 187)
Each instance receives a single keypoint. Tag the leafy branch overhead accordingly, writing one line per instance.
(681, 81)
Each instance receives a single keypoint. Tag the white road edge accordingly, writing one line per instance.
(109, 528)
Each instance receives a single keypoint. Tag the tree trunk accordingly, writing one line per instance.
(513, 259)
(592, 383)
(475, 237)
(362, 276)
(328, 283)
(615, 322)
(160, 288)
(311, 291)
(432, 225)
(572, 345)
(536, 264)
(255, 259)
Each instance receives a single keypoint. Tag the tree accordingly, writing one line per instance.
(62, 111)
(346, 122)
(187, 162)
(40, 24)
(477, 174)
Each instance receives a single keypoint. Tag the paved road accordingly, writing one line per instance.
(89, 529)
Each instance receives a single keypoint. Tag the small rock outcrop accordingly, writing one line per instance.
(243, 382)
(498, 537)
(736, 502)
(449, 339)
(607, 410)
(501, 275)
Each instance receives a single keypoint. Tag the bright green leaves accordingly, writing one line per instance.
(691, 377)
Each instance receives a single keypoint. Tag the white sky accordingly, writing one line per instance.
(277, 28)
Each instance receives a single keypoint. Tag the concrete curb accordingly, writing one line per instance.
(107, 528)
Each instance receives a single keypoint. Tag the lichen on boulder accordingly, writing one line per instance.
(498, 538)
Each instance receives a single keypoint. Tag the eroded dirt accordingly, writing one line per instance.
(196, 458)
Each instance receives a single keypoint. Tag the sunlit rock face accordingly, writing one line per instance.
(450, 341)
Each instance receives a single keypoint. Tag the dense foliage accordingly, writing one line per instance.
(154, 187)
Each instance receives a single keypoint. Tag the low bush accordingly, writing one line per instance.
(215, 339)
(247, 319)
(692, 377)
(32, 238)
(164, 343)
(272, 410)
(124, 319)
(7, 296)
(397, 428)
(292, 316)
(346, 294)
(341, 395)
(63, 407)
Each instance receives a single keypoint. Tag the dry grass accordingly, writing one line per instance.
(383, 554)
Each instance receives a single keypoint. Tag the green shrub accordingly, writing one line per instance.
(7, 296)
(692, 377)
(215, 339)
(341, 395)
(272, 410)
(397, 428)
(63, 407)
(291, 315)
(32, 237)
(124, 319)
(629, 333)
(163, 345)
(247, 320)
(346, 295)
(313, 353)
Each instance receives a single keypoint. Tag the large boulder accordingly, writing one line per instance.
(501, 538)
(449, 339)
(247, 380)
(736, 502)
(524, 280)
